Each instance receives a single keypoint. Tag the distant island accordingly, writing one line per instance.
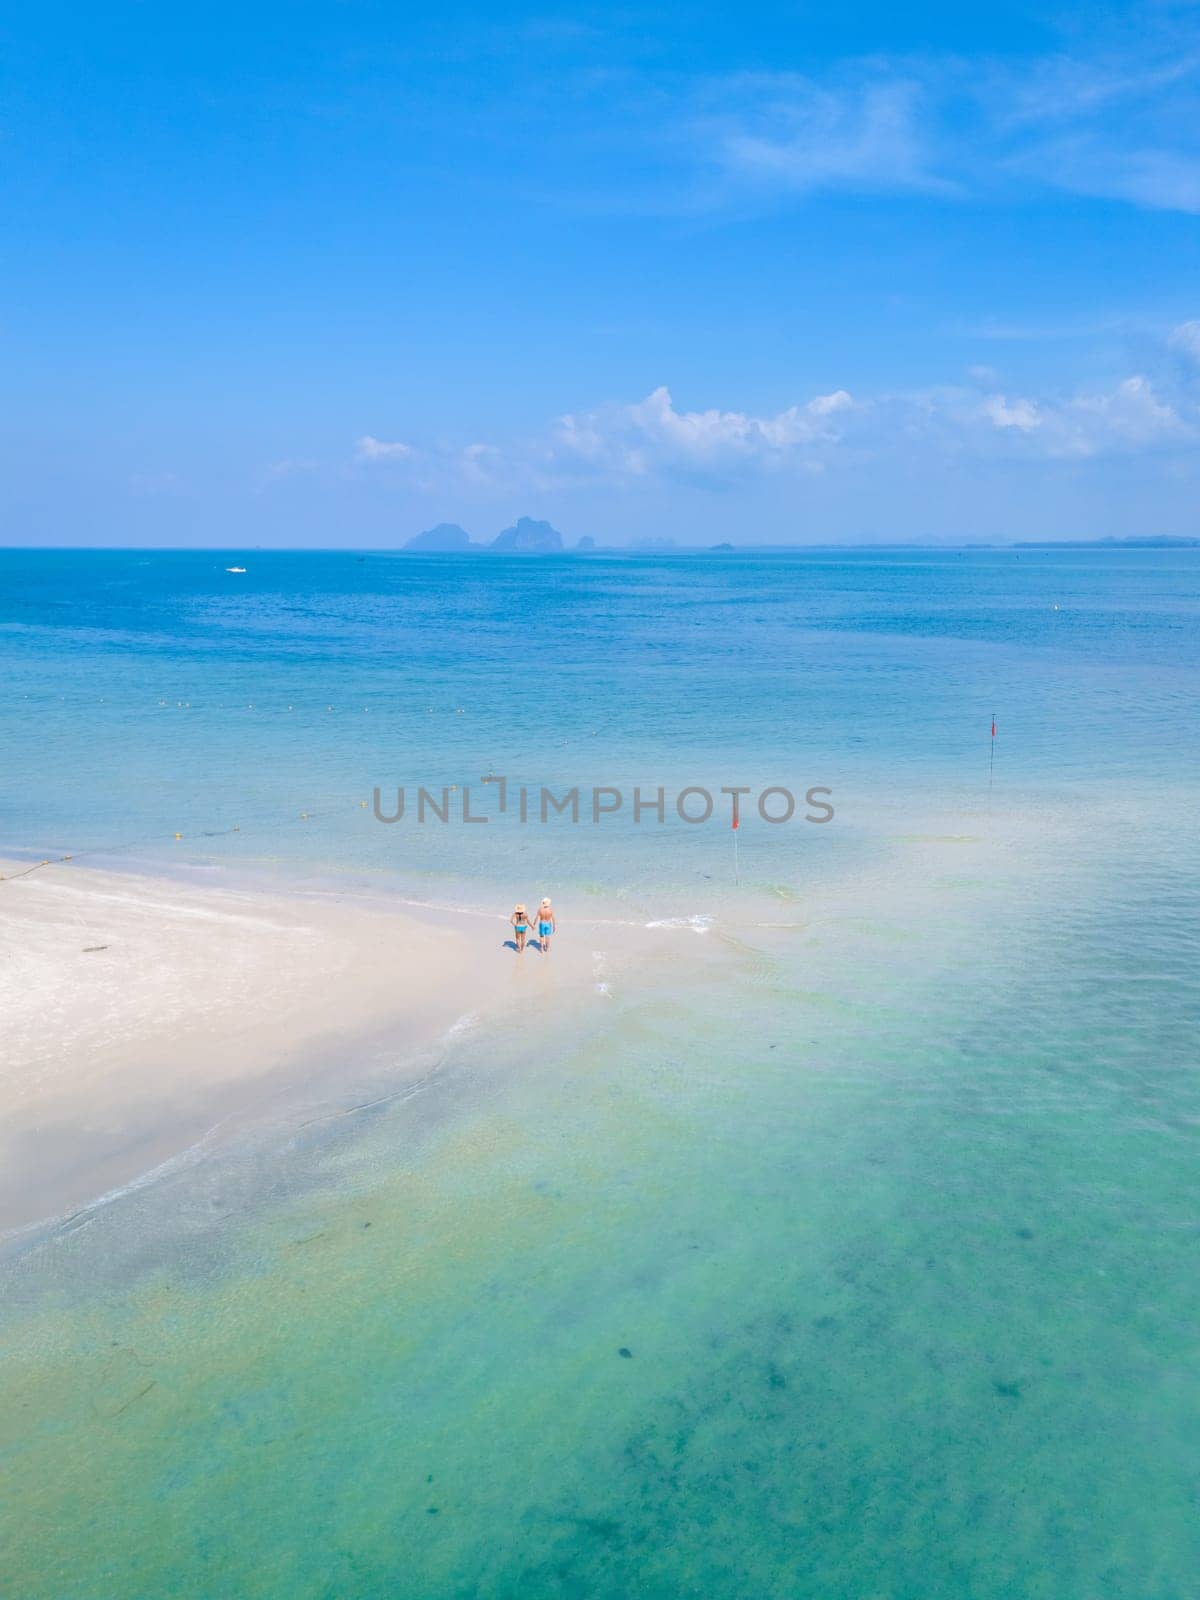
(1158, 541)
(526, 537)
(446, 536)
(530, 537)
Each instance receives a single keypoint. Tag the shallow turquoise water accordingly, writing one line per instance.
(155, 694)
(888, 1185)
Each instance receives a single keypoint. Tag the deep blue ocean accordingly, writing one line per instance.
(852, 1255)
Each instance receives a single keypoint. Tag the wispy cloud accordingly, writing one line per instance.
(1186, 337)
(1091, 164)
(1121, 122)
(1067, 88)
(480, 463)
(372, 449)
(782, 131)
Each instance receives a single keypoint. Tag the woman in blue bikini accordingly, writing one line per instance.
(546, 924)
(520, 926)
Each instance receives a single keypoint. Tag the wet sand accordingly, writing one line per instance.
(141, 1014)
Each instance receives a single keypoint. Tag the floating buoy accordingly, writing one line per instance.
(179, 836)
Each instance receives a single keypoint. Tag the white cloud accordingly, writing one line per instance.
(1022, 414)
(1128, 417)
(825, 404)
(651, 435)
(653, 439)
(1186, 337)
(370, 449)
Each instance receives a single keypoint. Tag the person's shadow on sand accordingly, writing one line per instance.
(530, 944)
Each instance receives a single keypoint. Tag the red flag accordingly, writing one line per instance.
(735, 819)
(993, 727)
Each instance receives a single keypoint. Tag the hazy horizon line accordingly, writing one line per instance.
(645, 548)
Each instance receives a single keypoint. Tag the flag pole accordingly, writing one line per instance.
(991, 762)
(736, 877)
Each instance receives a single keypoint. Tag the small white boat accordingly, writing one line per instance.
(235, 569)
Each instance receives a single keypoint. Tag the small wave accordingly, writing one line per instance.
(461, 1025)
(65, 1223)
(698, 922)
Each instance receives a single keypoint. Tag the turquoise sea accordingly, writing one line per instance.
(851, 1252)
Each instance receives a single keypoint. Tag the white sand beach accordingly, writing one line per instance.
(141, 1014)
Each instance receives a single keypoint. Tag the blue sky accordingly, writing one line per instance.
(328, 273)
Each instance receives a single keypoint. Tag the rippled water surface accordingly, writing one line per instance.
(851, 1252)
